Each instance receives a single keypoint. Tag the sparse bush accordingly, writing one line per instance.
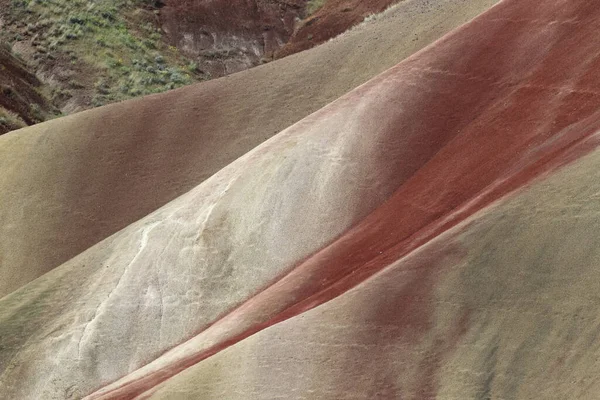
(102, 87)
(192, 67)
(36, 112)
(76, 85)
(97, 34)
(7, 91)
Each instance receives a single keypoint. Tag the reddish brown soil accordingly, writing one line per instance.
(334, 18)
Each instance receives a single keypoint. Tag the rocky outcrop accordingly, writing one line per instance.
(230, 36)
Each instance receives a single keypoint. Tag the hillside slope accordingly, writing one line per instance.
(22, 102)
(69, 183)
(329, 19)
(429, 234)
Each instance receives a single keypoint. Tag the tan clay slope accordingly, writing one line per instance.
(69, 183)
(441, 135)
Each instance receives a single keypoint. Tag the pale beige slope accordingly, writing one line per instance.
(69, 183)
(504, 306)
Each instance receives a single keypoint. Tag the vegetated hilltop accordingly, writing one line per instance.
(22, 98)
(93, 53)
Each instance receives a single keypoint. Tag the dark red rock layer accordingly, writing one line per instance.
(226, 37)
(20, 92)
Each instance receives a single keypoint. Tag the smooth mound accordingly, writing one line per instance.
(70, 183)
(429, 234)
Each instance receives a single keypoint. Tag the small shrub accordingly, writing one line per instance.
(192, 67)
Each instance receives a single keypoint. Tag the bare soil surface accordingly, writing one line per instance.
(69, 183)
(430, 234)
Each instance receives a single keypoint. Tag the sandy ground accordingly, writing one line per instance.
(69, 183)
(368, 251)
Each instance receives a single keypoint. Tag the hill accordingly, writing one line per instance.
(86, 176)
(429, 234)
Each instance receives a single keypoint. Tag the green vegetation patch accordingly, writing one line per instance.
(130, 58)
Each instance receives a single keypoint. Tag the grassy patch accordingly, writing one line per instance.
(114, 37)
